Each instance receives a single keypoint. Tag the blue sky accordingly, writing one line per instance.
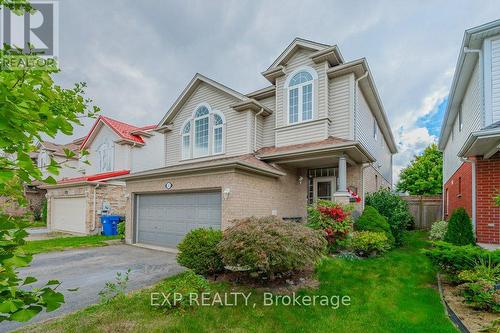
(137, 56)
(432, 121)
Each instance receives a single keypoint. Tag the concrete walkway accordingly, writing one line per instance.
(89, 269)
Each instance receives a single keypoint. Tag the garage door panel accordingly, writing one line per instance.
(164, 219)
(69, 214)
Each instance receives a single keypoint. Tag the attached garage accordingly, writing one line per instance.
(164, 219)
(69, 214)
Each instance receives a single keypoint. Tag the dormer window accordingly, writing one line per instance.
(206, 128)
(300, 95)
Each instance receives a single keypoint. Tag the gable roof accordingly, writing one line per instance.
(190, 88)
(123, 130)
(472, 40)
(301, 43)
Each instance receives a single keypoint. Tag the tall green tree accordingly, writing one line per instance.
(32, 106)
(424, 175)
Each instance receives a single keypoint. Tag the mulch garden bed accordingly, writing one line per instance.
(280, 285)
(474, 320)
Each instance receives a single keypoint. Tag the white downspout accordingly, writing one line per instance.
(364, 165)
(255, 129)
(473, 165)
(481, 76)
(95, 212)
(356, 82)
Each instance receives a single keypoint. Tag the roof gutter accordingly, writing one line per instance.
(484, 134)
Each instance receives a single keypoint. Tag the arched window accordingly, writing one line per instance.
(300, 96)
(206, 127)
(105, 154)
(218, 129)
(186, 140)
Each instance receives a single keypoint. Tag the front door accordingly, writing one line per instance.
(324, 187)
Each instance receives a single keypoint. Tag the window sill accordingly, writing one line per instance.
(303, 123)
(194, 159)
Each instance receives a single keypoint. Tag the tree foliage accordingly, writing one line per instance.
(424, 175)
(32, 106)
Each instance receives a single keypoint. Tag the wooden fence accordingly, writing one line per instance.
(425, 209)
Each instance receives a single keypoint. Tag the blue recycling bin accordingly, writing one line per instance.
(109, 224)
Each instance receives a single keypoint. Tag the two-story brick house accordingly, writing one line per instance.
(317, 131)
(470, 133)
(114, 148)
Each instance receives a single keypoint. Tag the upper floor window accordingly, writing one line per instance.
(203, 133)
(300, 96)
(105, 155)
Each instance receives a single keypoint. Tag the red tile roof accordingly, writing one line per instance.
(94, 177)
(122, 129)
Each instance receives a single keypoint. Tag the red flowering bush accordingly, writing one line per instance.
(334, 219)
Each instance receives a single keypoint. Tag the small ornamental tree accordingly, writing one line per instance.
(424, 175)
(459, 228)
(334, 219)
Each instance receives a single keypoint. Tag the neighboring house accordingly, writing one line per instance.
(114, 148)
(49, 150)
(318, 131)
(470, 134)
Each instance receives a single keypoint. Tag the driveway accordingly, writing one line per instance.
(89, 269)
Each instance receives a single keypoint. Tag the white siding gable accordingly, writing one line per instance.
(121, 153)
(238, 134)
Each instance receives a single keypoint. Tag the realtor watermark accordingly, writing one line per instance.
(32, 38)
(230, 299)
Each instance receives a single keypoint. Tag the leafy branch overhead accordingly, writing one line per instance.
(32, 107)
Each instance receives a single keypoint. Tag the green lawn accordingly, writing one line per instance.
(65, 243)
(394, 293)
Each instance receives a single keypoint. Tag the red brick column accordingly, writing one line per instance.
(487, 213)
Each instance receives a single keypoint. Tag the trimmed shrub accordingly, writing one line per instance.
(454, 259)
(482, 295)
(369, 243)
(198, 251)
(185, 284)
(394, 209)
(371, 220)
(438, 230)
(269, 246)
(121, 229)
(459, 228)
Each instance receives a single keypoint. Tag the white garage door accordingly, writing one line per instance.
(164, 219)
(68, 214)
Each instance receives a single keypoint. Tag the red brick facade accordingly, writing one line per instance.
(487, 213)
(458, 193)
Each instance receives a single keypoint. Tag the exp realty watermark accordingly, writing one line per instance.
(30, 39)
(160, 299)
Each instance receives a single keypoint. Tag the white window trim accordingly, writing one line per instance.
(300, 86)
(189, 148)
(211, 133)
(214, 127)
